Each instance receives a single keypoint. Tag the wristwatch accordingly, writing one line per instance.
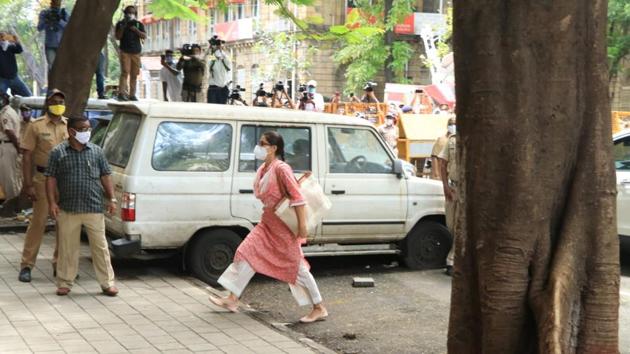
(113, 200)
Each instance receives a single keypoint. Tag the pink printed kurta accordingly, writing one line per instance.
(270, 248)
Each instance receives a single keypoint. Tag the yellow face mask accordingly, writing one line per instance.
(57, 109)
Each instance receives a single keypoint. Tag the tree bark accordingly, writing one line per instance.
(537, 253)
(77, 57)
(389, 40)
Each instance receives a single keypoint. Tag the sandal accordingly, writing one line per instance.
(232, 307)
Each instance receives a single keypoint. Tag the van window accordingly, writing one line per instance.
(352, 150)
(297, 147)
(120, 138)
(621, 154)
(200, 147)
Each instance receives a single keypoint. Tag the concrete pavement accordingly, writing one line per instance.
(153, 313)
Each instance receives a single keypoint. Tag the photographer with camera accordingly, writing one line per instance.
(262, 97)
(194, 69)
(170, 77)
(9, 78)
(235, 98)
(219, 69)
(130, 32)
(368, 96)
(306, 99)
(52, 20)
(317, 98)
(280, 98)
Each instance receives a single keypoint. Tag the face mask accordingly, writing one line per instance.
(169, 60)
(26, 116)
(311, 90)
(4, 45)
(82, 137)
(451, 129)
(130, 16)
(389, 122)
(260, 152)
(57, 109)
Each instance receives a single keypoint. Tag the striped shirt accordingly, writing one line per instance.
(78, 175)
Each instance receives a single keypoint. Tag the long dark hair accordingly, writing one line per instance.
(275, 139)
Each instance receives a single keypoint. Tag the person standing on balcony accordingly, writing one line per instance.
(194, 70)
(220, 68)
(53, 20)
(130, 32)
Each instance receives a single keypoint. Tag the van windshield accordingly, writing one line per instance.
(120, 138)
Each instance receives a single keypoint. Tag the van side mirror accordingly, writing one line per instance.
(398, 168)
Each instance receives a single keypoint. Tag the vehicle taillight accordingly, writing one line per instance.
(128, 207)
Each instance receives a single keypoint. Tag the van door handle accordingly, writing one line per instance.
(338, 192)
(246, 191)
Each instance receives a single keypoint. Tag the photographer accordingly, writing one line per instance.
(262, 97)
(194, 69)
(9, 78)
(306, 100)
(235, 97)
(280, 98)
(368, 96)
(316, 97)
(219, 69)
(170, 77)
(130, 32)
(53, 20)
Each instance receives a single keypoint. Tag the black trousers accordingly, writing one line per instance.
(218, 94)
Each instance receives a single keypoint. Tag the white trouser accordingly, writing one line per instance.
(305, 291)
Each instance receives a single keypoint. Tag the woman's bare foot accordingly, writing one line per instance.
(318, 313)
(229, 303)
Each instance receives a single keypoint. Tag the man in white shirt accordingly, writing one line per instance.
(220, 73)
(317, 98)
(171, 78)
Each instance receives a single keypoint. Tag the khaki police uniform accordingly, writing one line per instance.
(9, 120)
(40, 137)
(449, 155)
(438, 146)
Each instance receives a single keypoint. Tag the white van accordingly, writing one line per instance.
(184, 173)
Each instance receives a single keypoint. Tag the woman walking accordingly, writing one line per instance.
(271, 248)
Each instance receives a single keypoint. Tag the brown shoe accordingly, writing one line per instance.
(111, 291)
(63, 291)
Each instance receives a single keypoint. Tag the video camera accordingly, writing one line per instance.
(302, 88)
(262, 93)
(188, 49)
(279, 86)
(236, 93)
(215, 41)
(306, 97)
(369, 86)
(52, 18)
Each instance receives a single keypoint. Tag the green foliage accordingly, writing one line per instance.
(284, 60)
(618, 35)
(401, 55)
(363, 60)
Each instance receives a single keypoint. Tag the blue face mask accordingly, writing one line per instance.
(311, 89)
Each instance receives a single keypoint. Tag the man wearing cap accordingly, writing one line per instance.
(318, 99)
(450, 179)
(389, 131)
(9, 148)
(130, 32)
(219, 70)
(40, 137)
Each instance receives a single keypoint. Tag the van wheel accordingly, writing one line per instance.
(211, 253)
(426, 246)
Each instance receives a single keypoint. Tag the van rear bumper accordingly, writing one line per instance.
(124, 248)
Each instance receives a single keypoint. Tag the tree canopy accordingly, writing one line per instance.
(618, 35)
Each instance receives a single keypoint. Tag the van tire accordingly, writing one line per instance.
(426, 246)
(211, 253)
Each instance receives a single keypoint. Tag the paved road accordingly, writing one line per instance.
(157, 310)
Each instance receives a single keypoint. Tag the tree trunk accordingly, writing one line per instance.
(537, 254)
(389, 40)
(84, 37)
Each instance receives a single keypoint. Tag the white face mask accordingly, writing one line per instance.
(4, 45)
(83, 137)
(389, 122)
(260, 152)
(451, 129)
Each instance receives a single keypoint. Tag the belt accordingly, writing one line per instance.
(40, 169)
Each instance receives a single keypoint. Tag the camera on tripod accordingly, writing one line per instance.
(187, 49)
(236, 93)
(369, 86)
(279, 86)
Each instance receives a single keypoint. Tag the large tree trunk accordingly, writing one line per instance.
(84, 37)
(537, 260)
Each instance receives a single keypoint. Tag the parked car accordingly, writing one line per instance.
(621, 155)
(183, 175)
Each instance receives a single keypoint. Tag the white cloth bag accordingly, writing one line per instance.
(317, 206)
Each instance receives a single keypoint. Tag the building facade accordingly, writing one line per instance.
(242, 26)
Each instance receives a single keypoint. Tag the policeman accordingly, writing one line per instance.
(9, 148)
(449, 175)
(438, 146)
(40, 137)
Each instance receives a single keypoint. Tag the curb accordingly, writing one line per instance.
(21, 227)
(280, 327)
